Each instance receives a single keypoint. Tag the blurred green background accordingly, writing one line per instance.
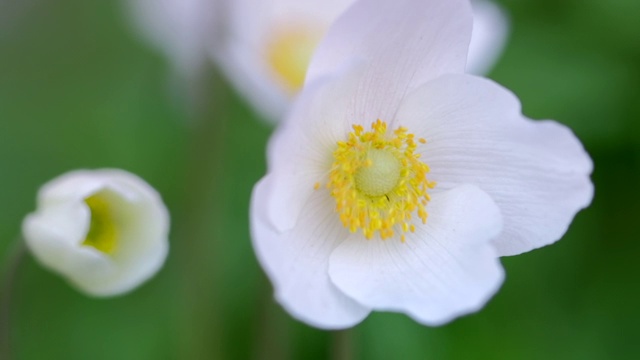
(79, 90)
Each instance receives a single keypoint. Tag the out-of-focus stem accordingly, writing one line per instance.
(271, 336)
(15, 258)
(194, 243)
(342, 345)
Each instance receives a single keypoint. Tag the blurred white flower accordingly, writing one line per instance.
(106, 231)
(182, 29)
(270, 42)
(387, 129)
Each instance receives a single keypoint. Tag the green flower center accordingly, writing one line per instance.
(381, 174)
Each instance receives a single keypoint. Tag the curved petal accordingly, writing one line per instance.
(300, 154)
(54, 236)
(446, 269)
(490, 33)
(405, 43)
(297, 261)
(72, 186)
(536, 171)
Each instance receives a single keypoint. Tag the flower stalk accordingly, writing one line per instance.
(343, 346)
(197, 248)
(9, 275)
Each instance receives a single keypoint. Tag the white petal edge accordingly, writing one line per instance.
(55, 232)
(297, 261)
(446, 269)
(536, 171)
(405, 43)
(490, 34)
(240, 67)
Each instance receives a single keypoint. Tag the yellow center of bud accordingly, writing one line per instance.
(289, 52)
(379, 182)
(103, 232)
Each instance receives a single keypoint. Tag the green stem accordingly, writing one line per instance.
(196, 247)
(272, 337)
(15, 258)
(342, 345)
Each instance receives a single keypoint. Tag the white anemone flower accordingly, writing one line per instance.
(105, 231)
(270, 43)
(387, 129)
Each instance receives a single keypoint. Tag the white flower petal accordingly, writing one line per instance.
(446, 269)
(297, 261)
(54, 236)
(55, 233)
(405, 43)
(68, 188)
(301, 153)
(490, 30)
(536, 171)
(251, 20)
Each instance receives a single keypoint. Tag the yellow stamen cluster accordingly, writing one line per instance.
(378, 181)
(103, 232)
